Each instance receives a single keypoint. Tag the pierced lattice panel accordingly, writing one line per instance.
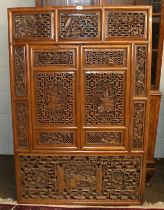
(33, 26)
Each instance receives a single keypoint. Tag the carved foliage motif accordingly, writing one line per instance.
(126, 24)
(62, 57)
(21, 124)
(56, 137)
(105, 98)
(112, 57)
(32, 26)
(20, 71)
(138, 125)
(55, 98)
(112, 137)
(88, 177)
(79, 25)
(141, 65)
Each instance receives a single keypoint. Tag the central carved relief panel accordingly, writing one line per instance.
(55, 98)
(105, 92)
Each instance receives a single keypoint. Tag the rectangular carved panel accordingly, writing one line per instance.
(55, 98)
(55, 137)
(105, 94)
(105, 57)
(21, 113)
(49, 57)
(126, 24)
(107, 138)
(20, 71)
(140, 70)
(31, 26)
(80, 177)
(138, 125)
(79, 25)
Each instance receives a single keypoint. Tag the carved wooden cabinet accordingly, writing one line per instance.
(80, 83)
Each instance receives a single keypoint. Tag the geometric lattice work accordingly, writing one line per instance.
(80, 177)
(48, 137)
(33, 26)
(79, 25)
(126, 24)
(105, 94)
(55, 102)
(110, 57)
(104, 138)
(141, 67)
(48, 57)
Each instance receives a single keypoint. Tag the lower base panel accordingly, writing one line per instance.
(90, 180)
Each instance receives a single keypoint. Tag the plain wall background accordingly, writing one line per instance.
(6, 136)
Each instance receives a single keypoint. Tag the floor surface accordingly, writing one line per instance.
(153, 193)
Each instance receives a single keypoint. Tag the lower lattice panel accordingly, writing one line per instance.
(80, 177)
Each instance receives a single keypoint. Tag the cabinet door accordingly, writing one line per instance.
(105, 77)
(54, 82)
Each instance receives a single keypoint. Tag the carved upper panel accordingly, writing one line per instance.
(126, 24)
(55, 101)
(105, 93)
(78, 25)
(60, 57)
(141, 69)
(109, 57)
(20, 71)
(33, 26)
(80, 178)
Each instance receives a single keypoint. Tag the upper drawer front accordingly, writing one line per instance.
(79, 25)
(123, 24)
(33, 25)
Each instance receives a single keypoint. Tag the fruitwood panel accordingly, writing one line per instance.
(82, 93)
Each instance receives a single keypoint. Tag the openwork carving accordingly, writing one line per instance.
(126, 24)
(141, 65)
(48, 137)
(55, 98)
(138, 125)
(77, 25)
(111, 57)
(49, 57)
(110, 137)
(21, 124)
(79, 178)
(33, 26)
(20, 71)
(105, 94)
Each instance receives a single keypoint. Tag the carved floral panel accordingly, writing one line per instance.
(54, 57)
(33, 26)
(20, 70)
(21, 124)
(55, 137)
(126, 24)
(109, 57)
(138, 125)
(79, 25)
(141, 70)
(55, 98)
(105, 137)
(80, 178)
(105, 93)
